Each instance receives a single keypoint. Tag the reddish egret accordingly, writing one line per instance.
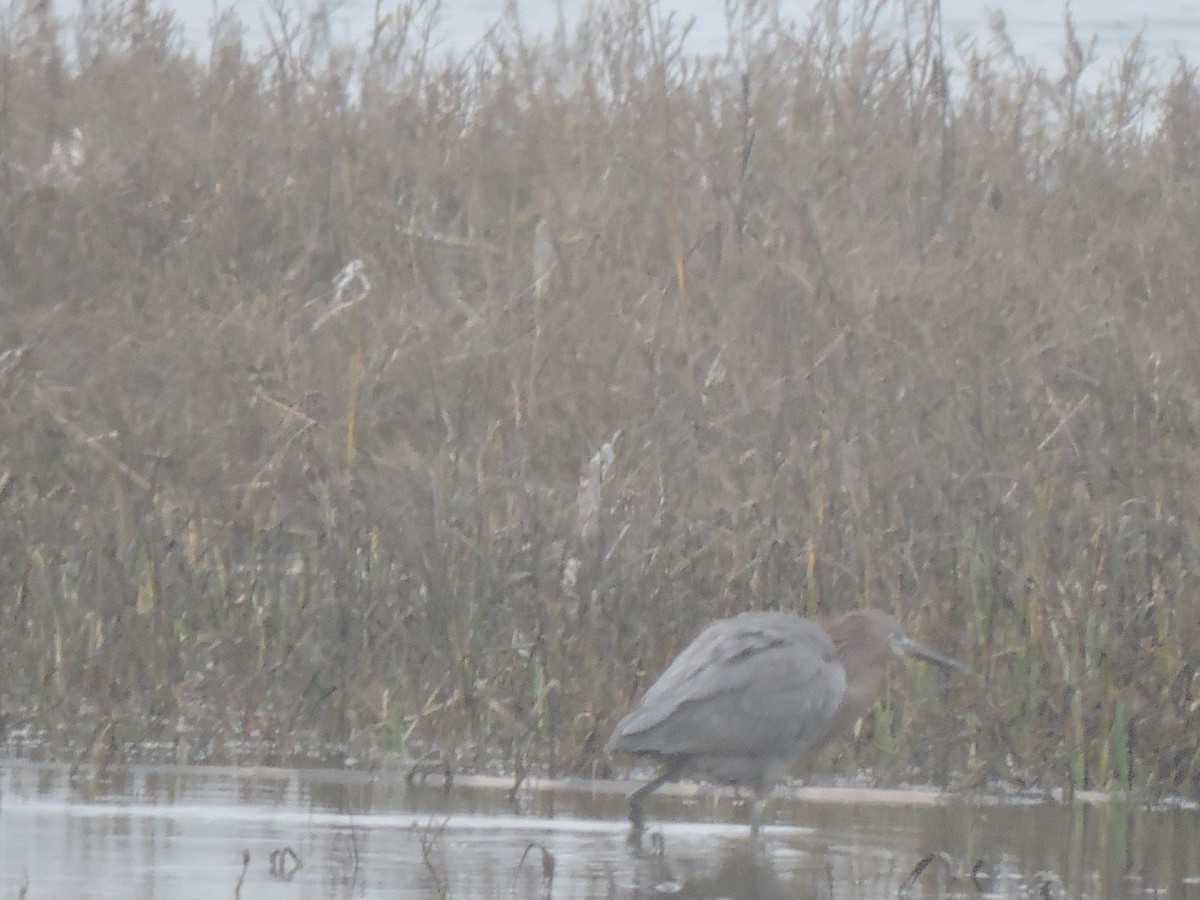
(754, 692)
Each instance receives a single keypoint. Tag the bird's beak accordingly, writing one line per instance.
(909, 647)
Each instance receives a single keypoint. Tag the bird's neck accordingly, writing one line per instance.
(864, 680)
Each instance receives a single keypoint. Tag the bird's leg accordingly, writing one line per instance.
(637, 817)
(757, 805)
(762, 790)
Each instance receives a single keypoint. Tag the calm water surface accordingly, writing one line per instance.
(196, 833)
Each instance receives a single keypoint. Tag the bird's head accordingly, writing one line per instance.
(866, 637)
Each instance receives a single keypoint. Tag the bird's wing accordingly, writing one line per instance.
(758, 684)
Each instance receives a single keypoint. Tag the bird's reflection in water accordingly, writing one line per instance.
(737, 870)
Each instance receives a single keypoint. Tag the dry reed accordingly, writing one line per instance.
(841, 317)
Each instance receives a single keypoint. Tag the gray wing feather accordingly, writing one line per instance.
(757, 684)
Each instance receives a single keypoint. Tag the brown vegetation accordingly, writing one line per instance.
(840, 318)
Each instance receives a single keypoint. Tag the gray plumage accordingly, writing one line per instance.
(754, 692)
(714, 706)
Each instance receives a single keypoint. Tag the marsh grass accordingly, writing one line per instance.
(631, 340)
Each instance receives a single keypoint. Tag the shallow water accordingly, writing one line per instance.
(197, 832)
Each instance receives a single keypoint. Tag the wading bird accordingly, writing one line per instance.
(752, 693)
